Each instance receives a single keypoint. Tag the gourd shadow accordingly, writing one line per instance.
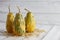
(35, 33)
(4, 33)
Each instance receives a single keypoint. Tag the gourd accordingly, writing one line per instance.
(9, 21)
(19, 24)
(29, 22)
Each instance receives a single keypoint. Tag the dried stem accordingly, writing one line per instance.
(18, 8)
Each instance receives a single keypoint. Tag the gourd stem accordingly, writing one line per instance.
(27, 10)
(9, 8)
(18, 9)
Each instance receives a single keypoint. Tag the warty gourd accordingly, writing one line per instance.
(19, 24)
(29, 21)
(9, 21)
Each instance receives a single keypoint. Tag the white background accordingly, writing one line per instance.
(45, 11)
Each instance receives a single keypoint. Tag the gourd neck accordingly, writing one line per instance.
(9, 8)
(18, 9)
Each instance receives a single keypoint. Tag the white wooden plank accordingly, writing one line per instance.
(54, 34)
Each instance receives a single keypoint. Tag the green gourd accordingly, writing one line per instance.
(19, 24)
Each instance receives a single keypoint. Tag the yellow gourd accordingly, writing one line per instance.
(9, 22)
(19, 24)
(29, 22)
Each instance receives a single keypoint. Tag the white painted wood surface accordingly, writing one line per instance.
(3, 35)
(54, 34)
(46, 12)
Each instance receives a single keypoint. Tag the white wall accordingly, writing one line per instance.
(45, 11)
